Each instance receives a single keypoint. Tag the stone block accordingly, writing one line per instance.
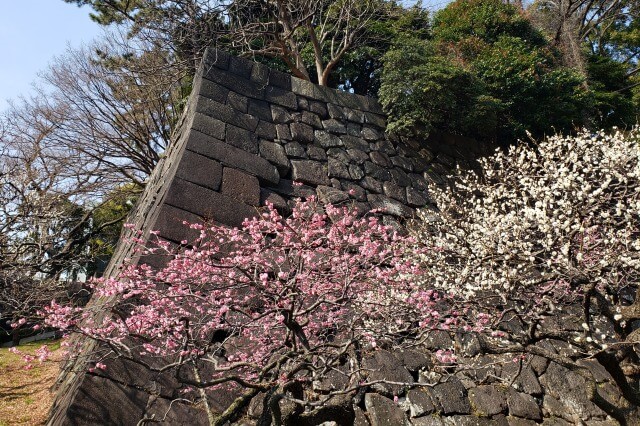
(416, 198)
(372, 185)
(375, 120)
(280, 79)
(281, 97)
(102, 401)
(335, 111)
(235, 83)
(260, 109)
(327, 140)
(402, 162)
(208, 204)
(216, 58)
(199, 169)
(354, 115)
(309, 172)
(275, 154)
(319, 108)
(295, 150)
(283, 132)
(355, 191)
(417, 182)
(380, 158)
(303, 87)
(452, 397)
(357, 156)
(352, 142)
(209, 126)
(338, 154)
(266, 130)
(383, 411)
(175, 412)
(399, 177)
(311, 119)
(169, 224)
(260, 74)
(242, 138)
(338, 169)
(280, 115)
(353, 129)
(238, 102)
(355, 172)
(289, 189)
(240, 186)
(384, 366)
(420, 402)
(316, 153)
(376, 171)
(226, 114)
(383, 145)
(334, 126)
(370, 134)
(211, 90)
(388, 206)
(523, 405)
(269, 197)
(234, 157)
(329, 195)
(413, 360)
(394, 191)
(240, 66)
(488, 400)
(301, 132)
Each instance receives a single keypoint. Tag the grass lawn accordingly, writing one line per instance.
(25, 396)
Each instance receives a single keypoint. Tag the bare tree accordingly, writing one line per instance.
(284, 28)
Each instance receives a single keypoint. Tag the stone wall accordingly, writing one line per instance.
(247, 134)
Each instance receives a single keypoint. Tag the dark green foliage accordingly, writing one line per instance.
(485, 73)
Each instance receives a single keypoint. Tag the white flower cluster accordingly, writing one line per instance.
(540, 223)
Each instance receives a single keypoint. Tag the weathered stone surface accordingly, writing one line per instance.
(383, 411)
(295, 150)
(370, 134)
(376, 171)
(402, 162)
(335, 111)
(517, 421)
(288, 189)
(338, 169)
(523, 405)
(452, 397)
(311, 119)
(394, 191)
(371, 184)
(280, 115)
(301, 132)
(281, 97)
(208, 204)
(233, 157)
(275, 154)
(280, 79)
(488, 400)
(175, 412)
(380, 158)
(327, 140)
(355, 191)
(310, 172)
(316, 153)
(468, 421)
(242, 138)
(241, 186)
(384, 366)
(355, 172)
(416, 198)
(201, 170)
(330, 195)
(269, 197)
(420, 402)
(360, 418)
(283, 132)
(266, 130)
(353, 129)
(260, 109)
(238, 102)
(525, 381)
(209, 126)
(357, 156)
(334, 126)
(352, 142)
(432, 420)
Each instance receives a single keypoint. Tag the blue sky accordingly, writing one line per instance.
(32, 32)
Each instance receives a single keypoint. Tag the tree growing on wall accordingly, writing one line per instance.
(545, 243)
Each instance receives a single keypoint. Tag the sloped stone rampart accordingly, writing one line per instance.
(247, 134)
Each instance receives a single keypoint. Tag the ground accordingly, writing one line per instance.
(25, 395)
